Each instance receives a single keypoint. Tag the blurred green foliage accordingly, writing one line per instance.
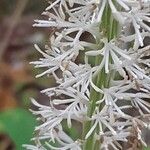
(19, 125)
(73, 131)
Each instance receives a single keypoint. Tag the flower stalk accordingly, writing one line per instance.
(109, 28)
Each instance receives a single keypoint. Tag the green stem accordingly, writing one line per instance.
(109, 27)
(94, 97)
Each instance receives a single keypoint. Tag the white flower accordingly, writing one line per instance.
(117, 94)
(80, 93)
(100, 118)
(113, 140)
(107, 121)
(75, 104)
(78, 77)
(56, 135)
(32, 147)
(137, 18)
(110, 50)
(49, 115)
(134, 38)
(131, 69)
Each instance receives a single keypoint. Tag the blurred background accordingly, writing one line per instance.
(17, 77)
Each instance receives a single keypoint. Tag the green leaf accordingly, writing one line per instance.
(147, 148)
(19, 125)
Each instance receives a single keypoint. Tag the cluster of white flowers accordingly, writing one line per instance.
(119, 75)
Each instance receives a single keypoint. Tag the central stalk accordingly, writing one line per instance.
(108, 27)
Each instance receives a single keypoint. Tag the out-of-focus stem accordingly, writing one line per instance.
(21, 4)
